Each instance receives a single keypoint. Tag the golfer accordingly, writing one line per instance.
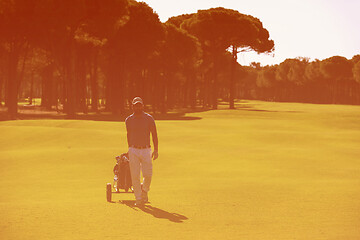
(139, 125)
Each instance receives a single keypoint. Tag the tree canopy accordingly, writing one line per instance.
(92, 55)
(218, 29)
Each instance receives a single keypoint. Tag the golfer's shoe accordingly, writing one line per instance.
(139, 203)
(144, 197)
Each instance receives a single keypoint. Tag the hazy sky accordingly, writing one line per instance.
(306, 28)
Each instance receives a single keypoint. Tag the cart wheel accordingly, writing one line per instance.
(108, 192)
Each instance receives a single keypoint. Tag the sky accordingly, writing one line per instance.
(316, 29)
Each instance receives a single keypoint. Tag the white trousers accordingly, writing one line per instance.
(140, 160)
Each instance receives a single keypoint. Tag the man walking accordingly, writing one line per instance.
(139, 125)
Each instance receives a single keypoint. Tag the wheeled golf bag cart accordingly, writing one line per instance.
(122, 178)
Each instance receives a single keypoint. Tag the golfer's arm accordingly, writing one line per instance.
(155, 138)
(127, 136)
(128, 133)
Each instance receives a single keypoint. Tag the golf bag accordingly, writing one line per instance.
(122, 178)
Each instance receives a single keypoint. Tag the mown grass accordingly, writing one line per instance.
(262, 171)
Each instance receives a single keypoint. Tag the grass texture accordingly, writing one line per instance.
(263, 171)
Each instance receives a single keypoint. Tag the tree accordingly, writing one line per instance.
(75, 43)
(338, 72)
(219, 29)
(57, 23)
(355, 58)
(16, 22)
(317, 87)
(290, 75)
(180, 53)
(2, 73)
(38, 61)
(266, 82)
(356, 74)
(128, 53)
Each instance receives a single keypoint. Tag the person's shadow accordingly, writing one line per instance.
(156, 212)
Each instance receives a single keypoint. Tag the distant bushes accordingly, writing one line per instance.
(332, 80)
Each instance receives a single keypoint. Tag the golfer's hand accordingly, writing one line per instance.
(155, 155)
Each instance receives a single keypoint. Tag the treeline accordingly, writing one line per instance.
(334, 80)
(86, 55)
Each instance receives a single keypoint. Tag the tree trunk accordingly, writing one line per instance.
(31, 88)
(120, 94)
(115, 88)
(12, 81)
(170, 94)
(22, 73)
(80, 78)
(214, 91)
(215, 85)
(94, 84)
(47, 96)
(162, 94)
(232, 78)
(63, 83)
(1, 90)
(192, 90)
(186, 91)
(108, 86)
(207, 89)
(69, 88)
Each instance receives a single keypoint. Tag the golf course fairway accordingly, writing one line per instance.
(263, 171)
